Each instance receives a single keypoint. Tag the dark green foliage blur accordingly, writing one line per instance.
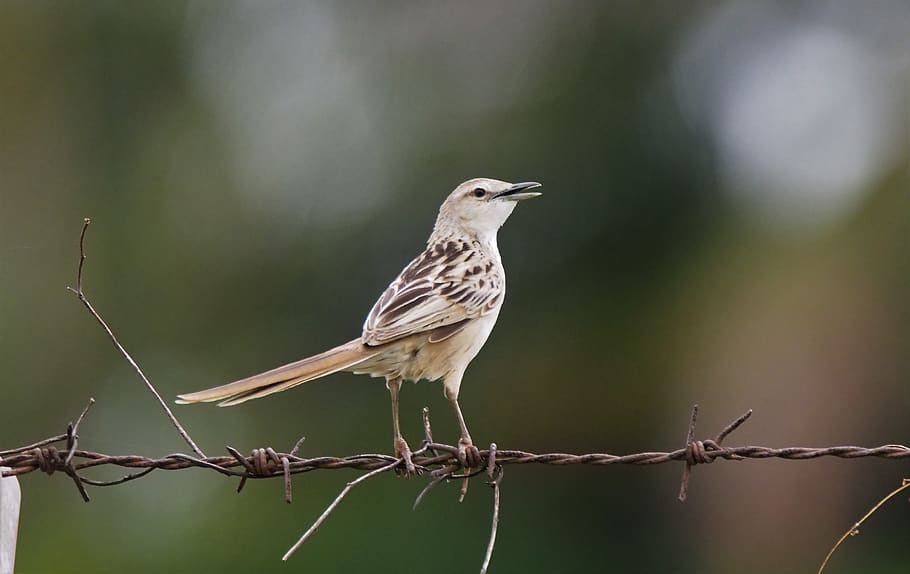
(257, 173)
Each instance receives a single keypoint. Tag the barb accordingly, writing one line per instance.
(697, 450)
(72, 440)
(427, 429)
(687, 471)
(91, 309)
(71, 431)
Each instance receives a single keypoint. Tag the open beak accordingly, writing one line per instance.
(519, 191)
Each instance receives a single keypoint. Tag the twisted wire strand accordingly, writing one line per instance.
(49, 459)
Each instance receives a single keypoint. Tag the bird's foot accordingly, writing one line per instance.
(403, 451)
(468, 455)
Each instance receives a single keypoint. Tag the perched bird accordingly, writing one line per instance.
(429, 323)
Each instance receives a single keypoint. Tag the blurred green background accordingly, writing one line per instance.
(726, 220)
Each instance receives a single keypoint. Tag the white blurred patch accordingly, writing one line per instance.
(806, 127)
(802, 107)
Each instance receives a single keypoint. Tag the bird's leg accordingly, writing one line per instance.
(402, 450)
(468, 455)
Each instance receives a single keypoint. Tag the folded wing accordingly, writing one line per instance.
(448, 285)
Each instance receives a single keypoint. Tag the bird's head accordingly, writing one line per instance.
(479, 207)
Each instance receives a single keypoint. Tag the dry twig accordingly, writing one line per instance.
(854, 530)
(328, 510)
(91, 309)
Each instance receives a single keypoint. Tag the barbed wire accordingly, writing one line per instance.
(435, 460)
(267, 463)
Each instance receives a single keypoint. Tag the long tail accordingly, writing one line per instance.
(279, 379)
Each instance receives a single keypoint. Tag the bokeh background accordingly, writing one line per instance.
(726, 220)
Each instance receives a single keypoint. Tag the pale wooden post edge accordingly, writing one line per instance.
(10, 502)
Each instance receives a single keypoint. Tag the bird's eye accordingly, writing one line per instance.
(479, 192)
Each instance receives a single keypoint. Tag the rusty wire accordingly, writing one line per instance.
(26, 460)
(438, 459)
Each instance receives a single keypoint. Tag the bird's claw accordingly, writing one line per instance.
(403, 451)
(468, 455)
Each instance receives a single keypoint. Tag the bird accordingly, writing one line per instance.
(428, 324)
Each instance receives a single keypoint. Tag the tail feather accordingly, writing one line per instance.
(338, 359)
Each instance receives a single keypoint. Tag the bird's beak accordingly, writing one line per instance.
(518, 191)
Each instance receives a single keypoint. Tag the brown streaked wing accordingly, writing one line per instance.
(437, 289)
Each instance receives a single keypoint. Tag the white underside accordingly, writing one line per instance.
(414, 358)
